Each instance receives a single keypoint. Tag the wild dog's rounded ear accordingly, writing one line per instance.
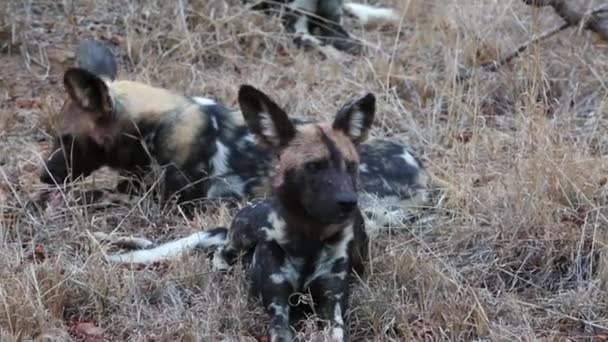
(265, 118)
(88, 91)
(355, 118)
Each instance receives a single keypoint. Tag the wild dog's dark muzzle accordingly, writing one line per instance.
(347, 202)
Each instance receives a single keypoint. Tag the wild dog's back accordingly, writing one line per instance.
(394, 182)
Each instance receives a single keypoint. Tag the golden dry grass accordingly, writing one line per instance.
(517, 247)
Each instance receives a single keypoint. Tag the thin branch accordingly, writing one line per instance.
(493, 66)
(591, 21)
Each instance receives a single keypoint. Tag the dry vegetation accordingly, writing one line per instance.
(517, 247)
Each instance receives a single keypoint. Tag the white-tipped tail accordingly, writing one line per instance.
(171, 250)
(370, 15)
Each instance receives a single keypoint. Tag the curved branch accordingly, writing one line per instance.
(591, 21)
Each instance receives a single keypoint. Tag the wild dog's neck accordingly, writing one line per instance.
(299, 222)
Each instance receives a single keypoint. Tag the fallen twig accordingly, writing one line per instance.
(572, 18)
(494, 65)
(590, 21)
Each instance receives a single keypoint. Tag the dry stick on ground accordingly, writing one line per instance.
(591, 21)
(565, 9)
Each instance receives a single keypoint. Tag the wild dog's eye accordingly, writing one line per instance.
(351, 167)
(315, 166)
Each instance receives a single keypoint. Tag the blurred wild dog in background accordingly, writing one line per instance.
(204, 148)
(318, 23)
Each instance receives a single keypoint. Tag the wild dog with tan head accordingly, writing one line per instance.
(309, 235)
(129, 125)
(205, 149)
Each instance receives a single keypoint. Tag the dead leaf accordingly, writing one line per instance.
(38, 255)
(27, 103)
(261, 337)
(464, 137)
(87, 332)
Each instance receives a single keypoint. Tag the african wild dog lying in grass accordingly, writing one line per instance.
(317, 23)
(206, 149)
(309, 235)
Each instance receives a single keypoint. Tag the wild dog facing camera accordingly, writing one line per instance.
(310, 234)
(317, 170)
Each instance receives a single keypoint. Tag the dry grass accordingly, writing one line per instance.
(517, 250)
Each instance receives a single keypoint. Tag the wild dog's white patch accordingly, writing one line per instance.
(204, 101)
(290, 271)
(223, 183)
(268, 130)
(369, 15)
(363, 168)
(249, 138)
(226, 186)
(301, 26)
(276, 231)
(220, 159)
(357, 120)
(338, 314)
(279, 310)
(277, 278)
(409, 158)
(169, 250)
(214, 123)
(329, 256)
(337, 334)
(219, 263)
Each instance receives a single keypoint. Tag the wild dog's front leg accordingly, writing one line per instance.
(250, 226)
(273, 285)
(330, 293)
(297, 21)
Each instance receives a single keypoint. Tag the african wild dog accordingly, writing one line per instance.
(206, 149)
(130, 125)
(309, 235)
(317, 23)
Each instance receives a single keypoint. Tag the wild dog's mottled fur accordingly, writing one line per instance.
(317, 23)
(310, 234)
(127, 125)
(206, 149)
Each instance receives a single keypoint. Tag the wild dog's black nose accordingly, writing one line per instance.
(347, 201)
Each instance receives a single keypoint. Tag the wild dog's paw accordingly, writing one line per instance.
(309, 42)
(306, 41)
(283, 335)
(219, 262)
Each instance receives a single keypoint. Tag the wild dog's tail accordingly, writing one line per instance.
(209, 239)
(370, 15)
